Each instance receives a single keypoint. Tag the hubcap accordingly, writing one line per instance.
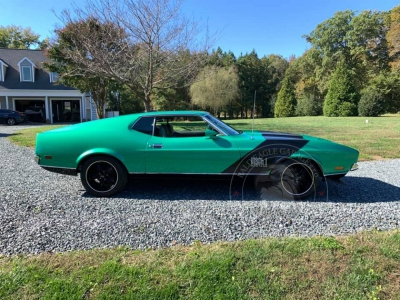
(101, 176)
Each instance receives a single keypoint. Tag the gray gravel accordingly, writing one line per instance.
(42, 211)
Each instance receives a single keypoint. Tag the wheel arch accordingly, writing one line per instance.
(99, 152)
(307, 159)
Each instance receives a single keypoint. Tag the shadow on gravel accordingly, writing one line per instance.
(6, 134)
(362, 190)
(347, 190)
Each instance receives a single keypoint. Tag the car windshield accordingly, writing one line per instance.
(225, 128)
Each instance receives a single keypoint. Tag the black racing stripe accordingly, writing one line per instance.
(271, 149)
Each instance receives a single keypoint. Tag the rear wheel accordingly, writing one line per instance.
(103, 176)
(11, 121)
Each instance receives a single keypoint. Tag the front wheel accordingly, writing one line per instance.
(103, 176)
(292, 179)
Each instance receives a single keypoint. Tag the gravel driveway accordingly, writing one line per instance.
(41, 211)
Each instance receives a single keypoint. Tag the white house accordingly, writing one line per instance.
(26, 87)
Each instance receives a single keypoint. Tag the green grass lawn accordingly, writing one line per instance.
(362, 266)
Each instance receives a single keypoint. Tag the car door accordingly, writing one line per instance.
(190, 152)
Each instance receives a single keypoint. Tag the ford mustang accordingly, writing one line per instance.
(105, 152)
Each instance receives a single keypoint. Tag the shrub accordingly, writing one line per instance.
(372, 103)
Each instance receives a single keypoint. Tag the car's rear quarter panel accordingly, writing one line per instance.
(70, 145)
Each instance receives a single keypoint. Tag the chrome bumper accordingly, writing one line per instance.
(354, 167)
(37, 159)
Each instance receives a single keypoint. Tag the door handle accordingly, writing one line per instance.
(157, 146)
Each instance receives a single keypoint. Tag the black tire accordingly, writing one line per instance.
(291, 179)
(11, 121)
(103, 176)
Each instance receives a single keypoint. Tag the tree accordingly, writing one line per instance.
(171, 99)
(357, 40)
(148, 46)
(342, 97)
(220, 58)
(368, 43)
(393, 37)
(387, 85)
(120, 98)
(215, 87)
(330, 36)
(307, 67)
(307, 105)
(254, 76)
(285, 105)
(71, 73)
(18, 37)
(276, 67)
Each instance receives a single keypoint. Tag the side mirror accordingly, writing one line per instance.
(210, 133)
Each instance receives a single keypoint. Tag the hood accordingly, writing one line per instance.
(273, 135)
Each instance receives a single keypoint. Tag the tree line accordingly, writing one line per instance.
(135, 55)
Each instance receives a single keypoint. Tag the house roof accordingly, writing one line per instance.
(12, 57)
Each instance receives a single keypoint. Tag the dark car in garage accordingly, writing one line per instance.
(11, 117)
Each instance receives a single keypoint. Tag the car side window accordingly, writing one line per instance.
(180, 126)
(144, 125)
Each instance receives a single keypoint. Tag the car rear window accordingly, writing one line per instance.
(144, 125)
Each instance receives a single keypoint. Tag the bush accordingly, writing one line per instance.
(372, 103)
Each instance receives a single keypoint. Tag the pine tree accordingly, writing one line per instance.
(285, 105)
(342, 97)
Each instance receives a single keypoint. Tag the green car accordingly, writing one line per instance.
(106, 151)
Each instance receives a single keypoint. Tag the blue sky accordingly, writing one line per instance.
(267, 26)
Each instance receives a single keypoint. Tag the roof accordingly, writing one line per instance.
(174, 113)
(11, 57)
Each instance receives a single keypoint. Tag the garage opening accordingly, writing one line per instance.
(66, 111)
(34, 109)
